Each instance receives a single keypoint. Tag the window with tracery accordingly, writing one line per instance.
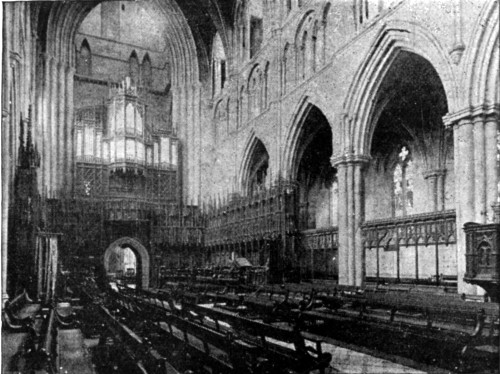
(403, 180)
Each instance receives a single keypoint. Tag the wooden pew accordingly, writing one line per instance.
(11, 313)
(302, 357)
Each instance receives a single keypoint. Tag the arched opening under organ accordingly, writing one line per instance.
(126, 261)
(122, 264)
(411, 172)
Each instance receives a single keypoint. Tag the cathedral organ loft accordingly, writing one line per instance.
(330, 164)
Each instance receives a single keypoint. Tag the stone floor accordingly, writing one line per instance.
(73, 353)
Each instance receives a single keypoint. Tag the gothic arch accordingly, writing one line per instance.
(141, 253)
(482, 60)
(302, 25)
(393, 38)
(252, 145)
(294, 131)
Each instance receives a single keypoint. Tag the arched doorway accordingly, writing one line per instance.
(121, 247)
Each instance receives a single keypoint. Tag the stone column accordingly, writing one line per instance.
(350, 211)
(6, 81)
(464, 182)
(479, 171)
(440, 187)
(435, 183)
(52, 105)
(68, 129)
(350, 218)
(431, 187)
(476, 175)
(61, 144)
(491, 164)
(359, 217)
(342, 223)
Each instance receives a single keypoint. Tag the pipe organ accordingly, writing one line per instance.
(121, 151)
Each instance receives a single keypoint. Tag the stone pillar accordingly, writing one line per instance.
(440, 187)
(479, 171)
(435, 184)
(491, 164)
(464, 186)
(68, 128)
(350, 217)
(431, 188)
(342, 224)
(6, 177)
(359, 202)
(476, 175)
(45, 124)
(52, 105)
(61, 144)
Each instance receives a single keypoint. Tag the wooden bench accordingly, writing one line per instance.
(302, 357)
(11, 313)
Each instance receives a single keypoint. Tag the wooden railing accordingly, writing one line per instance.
(428, 228)
(414, 237)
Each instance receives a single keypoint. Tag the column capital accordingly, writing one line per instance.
(349, 158)
(471, 114)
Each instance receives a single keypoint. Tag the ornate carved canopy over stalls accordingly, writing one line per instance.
(121, 151)
(248, 226)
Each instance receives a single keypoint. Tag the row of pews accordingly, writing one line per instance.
(150, 333)
(31, 329)
(227, 327)
(441, 330)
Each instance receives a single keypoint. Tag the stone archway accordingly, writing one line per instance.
(142, 255)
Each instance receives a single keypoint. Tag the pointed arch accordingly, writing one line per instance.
(146, 71)
(84, 60)
(393, 38)
(482, 60)
(302, 26)
(291, 154)
(133, 66)
(254, 146)
(143, 261)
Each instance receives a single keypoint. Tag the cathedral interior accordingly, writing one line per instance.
(250, 186)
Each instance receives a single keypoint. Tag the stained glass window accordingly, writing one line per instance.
(403, 177)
